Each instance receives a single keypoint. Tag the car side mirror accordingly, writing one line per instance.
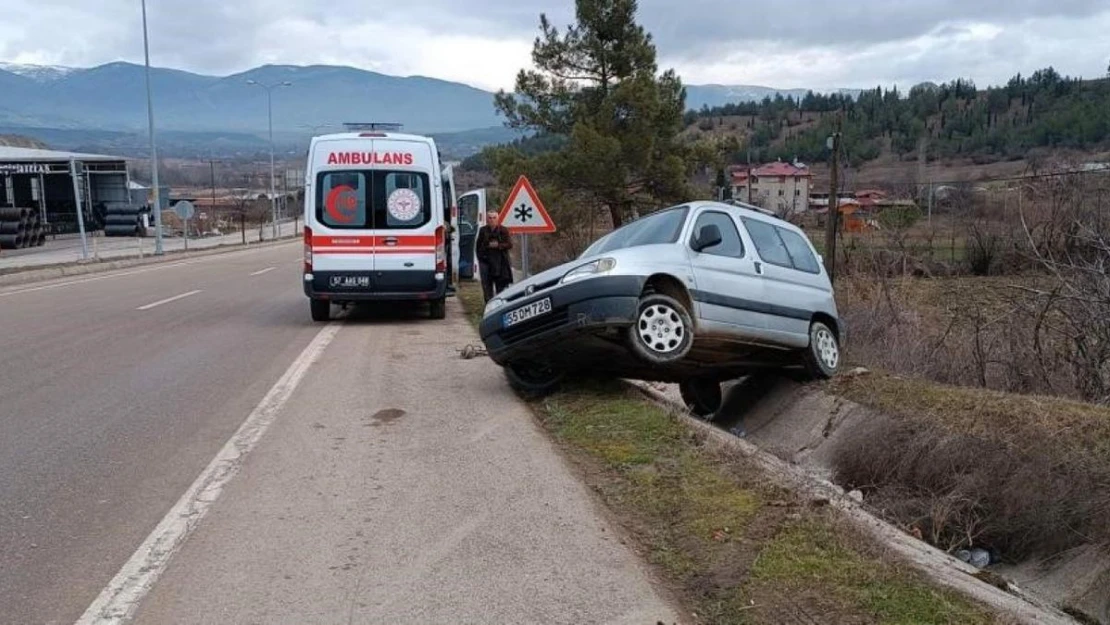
(708, 236)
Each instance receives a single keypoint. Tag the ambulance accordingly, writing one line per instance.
(379, 213)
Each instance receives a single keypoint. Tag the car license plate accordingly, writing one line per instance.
(348, 282)
(524, 313)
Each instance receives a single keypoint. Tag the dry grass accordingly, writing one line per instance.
(1024, 475)
(966, 331)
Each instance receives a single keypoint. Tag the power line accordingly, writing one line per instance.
(1055, 174)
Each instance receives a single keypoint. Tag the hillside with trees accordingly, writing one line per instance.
(953, 121)
(940, 122)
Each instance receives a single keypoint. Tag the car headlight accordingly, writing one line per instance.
(494, 303)
(597, 267)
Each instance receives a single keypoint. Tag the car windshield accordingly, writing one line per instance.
(663, 226)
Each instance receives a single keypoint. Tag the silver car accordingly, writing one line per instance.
(696, 294)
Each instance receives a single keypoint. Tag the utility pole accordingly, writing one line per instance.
(153, 150)
(834, 203)
(749, 171)
(270, 113)
(212, 167)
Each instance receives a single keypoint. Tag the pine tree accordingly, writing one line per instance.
(597, 84)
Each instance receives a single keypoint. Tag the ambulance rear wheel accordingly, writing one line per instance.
(321, 309)
(439, 308)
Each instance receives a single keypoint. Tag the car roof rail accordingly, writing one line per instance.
(753, 207)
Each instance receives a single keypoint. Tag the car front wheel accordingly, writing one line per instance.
(822, 358)
(533, 380)
(663, 332)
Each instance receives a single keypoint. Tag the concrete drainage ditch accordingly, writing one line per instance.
(793, 432)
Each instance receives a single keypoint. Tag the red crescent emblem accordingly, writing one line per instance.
(342, 204)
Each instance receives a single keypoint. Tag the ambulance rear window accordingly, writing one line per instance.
(401, 200)
(373, 199)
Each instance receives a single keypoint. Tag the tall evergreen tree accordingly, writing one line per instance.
(598, 84)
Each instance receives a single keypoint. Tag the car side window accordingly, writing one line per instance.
(730, 244)
(767, 243)
(800, 252)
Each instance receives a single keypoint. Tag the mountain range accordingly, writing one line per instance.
(74, 104)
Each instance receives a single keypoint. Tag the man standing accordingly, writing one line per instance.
(492, 248)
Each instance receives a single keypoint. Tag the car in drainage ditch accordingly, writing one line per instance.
(694, 294)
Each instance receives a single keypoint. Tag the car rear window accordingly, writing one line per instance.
(663, 226)
(373, 199)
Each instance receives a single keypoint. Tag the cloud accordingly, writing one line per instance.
(987, 53)
(804, 43)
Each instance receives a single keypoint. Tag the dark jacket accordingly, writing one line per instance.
(500, 267)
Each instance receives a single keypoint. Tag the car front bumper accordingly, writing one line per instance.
(578, 307)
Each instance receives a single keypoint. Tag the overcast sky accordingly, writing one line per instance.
(818, 44)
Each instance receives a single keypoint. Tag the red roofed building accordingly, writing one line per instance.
(781, 187)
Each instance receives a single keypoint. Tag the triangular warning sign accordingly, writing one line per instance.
(523, 211)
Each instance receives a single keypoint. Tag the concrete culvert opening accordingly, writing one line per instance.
(1029, 512)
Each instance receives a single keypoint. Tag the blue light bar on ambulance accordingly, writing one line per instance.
(353, 126)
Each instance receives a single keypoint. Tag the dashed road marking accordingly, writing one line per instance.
(168, 300)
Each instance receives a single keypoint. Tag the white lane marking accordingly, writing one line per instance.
(168, 300)
(266, 270)
(157, 267)
(119, 600)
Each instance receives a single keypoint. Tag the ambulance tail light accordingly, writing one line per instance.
(307, 249)
(441, 249)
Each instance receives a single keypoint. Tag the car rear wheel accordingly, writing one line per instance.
(533, 380)
(702, 396)
(822, 358)
(321, 309)
(439, 309)
(663, 332)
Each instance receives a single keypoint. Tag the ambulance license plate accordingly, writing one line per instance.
(526, 312)
(348, 282)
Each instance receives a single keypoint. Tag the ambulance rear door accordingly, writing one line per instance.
(406, 216)
(339, 215)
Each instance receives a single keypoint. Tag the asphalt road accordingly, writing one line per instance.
(108, 413)
(395, 482)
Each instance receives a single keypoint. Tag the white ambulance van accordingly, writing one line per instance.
(376, 221)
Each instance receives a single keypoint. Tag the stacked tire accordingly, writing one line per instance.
(123, 220)
(20, 227)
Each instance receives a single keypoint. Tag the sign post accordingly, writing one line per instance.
(185, 210)
(523, 213)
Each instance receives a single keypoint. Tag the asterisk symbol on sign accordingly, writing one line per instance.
(523, 212)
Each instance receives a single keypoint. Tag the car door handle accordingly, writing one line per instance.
(390, 241)
(759, 267)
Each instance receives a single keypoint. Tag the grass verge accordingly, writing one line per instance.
(733, 548)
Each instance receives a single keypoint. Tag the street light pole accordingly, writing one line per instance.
(157, 205)
(270, 115)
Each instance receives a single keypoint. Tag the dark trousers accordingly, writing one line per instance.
(490, 286)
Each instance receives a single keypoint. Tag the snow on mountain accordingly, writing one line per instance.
(40, 73)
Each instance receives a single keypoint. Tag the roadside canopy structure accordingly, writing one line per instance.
(68, 191)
